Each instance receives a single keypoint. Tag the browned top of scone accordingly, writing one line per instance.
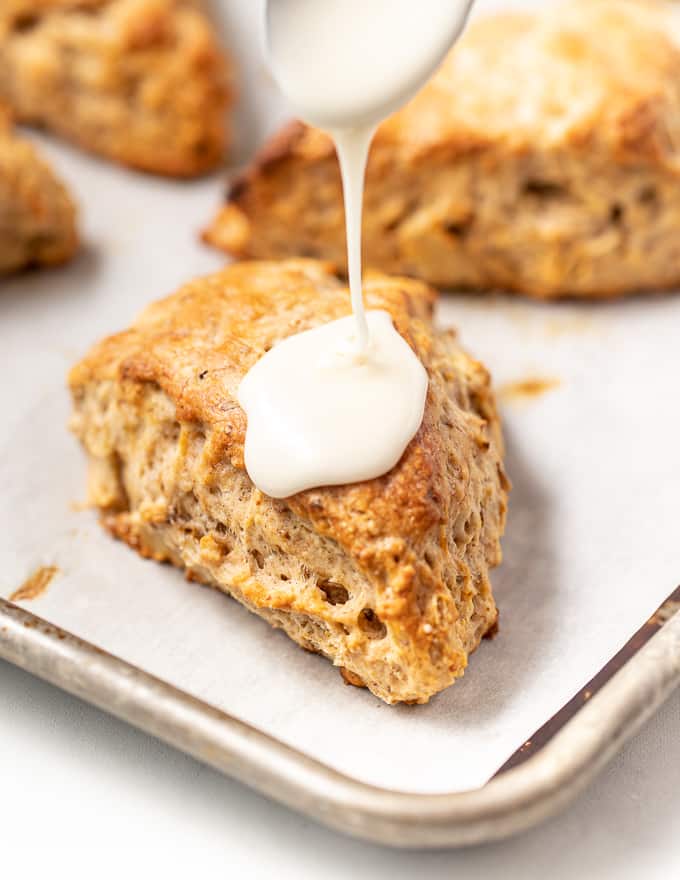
(199, 343)
(582, 73)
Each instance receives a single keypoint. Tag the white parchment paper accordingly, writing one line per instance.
(592, 545)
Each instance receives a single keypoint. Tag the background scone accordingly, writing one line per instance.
(389, 577)
(37, 216)
(543, 158)
(142, 82)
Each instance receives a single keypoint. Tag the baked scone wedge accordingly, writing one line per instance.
(388, 578)
(37, 215)
(141, 82)
(543, 158)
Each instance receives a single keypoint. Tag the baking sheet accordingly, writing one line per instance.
(592, 542)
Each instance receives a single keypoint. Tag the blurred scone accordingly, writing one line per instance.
(543, 158)
(388, 578)
(37, 216)
(142, 82)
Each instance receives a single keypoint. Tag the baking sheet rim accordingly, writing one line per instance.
(508, 804)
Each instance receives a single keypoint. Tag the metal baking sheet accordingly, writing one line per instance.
(587, 394)
(511, 802)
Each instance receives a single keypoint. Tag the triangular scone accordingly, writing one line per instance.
(388, 578)
(543, 158)
(37, 216)
(142, 82)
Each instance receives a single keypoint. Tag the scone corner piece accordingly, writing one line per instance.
(37, 213)
(141, 82)
(388, 578)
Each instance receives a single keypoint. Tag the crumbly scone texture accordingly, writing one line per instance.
(387, 578)
(141, 82)
(37, 215)
(543, 158)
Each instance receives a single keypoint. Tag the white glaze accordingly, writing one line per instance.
(340, 403)
(326, 431)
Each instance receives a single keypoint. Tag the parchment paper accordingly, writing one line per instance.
(592, 545)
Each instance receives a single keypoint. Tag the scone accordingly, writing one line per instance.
(388, 578)
(142, 82)
(543, 158)
(37, 216)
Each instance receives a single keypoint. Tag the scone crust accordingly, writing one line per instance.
(141, 82)
(409, 552)
(542, 159)
(37, 214)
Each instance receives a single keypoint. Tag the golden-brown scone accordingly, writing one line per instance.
(387, 578)
(543, 158)
(37, 216)
(142, 82)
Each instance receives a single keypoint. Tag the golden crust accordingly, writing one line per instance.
(37, 215)
(142, 82)
(543, 158)
(388, 577)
